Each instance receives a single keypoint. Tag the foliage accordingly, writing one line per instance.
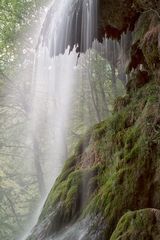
(16, 18)
(18, 182)
(126, 146)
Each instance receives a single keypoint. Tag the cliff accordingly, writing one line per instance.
(110, 187)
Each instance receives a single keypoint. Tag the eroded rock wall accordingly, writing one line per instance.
(114, 175)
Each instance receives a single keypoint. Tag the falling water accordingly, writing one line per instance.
(70, 28)
(67, 23)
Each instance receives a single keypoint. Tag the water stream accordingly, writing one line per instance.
(55, 74)
(55, 78)
(70, 28)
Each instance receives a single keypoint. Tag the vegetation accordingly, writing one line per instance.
(115, 168)
(18, 191)
(124, 149)
(24, 158)
(141, 224)
(113, 172)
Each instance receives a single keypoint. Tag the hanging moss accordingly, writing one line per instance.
(115, 168)
(122, 174)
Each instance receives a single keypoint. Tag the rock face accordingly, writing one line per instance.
(114, 170)
(113, 179)
(113, 25)
(109, 23)
(142, 224)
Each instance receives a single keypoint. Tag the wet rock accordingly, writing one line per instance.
(138, 225)
(89, 228)
(115, 168)
(113, 25)
(125, 177)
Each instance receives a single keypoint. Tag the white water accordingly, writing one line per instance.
(55, 75)
(54, 80)
(59, 74)
(52, 96)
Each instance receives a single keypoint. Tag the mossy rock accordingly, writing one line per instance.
(114, 171)
(115, 167)
(138, 225)
(141, 27)
(150, 47)
(138, 80)
(121, 102)
(131, 157)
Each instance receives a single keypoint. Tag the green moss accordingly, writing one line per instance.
(135, 149)
(142, 26)
(119, 121)
(83, 143)
(121, 102)
(151, 53)
(127, 179)
(142, 225)
(115, 167)
(66, 191)
(99, 130)
(121, 176)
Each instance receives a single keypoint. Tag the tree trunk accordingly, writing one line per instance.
(38, 168)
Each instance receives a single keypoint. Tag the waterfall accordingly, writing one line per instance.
(68, 23)
(65, 65)
(69, 28)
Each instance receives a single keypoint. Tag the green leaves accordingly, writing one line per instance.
(18, 191)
